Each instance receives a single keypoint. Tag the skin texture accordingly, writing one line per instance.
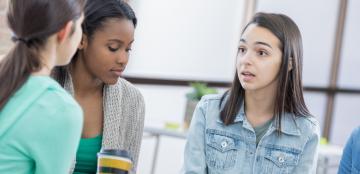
(260, 55)
(258, 65)
(106, 53)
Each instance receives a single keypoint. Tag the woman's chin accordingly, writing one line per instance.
(112, 81)
(247, 86)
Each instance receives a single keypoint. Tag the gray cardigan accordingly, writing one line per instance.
(124, 112)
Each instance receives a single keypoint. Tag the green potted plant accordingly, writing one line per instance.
(193, 97)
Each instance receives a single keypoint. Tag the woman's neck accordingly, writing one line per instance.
(47, 60)
(84, 82)
(44, 71)
(259, 106)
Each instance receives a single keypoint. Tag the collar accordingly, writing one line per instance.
(288, 123)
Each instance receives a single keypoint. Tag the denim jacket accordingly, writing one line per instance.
(350, 161)
(213, 148)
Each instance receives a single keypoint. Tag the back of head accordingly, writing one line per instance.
(32, 22)
(35, 20)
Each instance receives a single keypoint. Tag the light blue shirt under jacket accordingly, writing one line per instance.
(214, 148)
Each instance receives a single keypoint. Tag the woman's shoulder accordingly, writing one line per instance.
(209, 107)
(356, 135)
(211, 101)
(127, 88)
(128, 97)
(126, 94)
(44, 92)
(58, 97)
(308, 125)
(58, 109)
(308, 120)
(55, 101)
(43, 100)
(212, 97)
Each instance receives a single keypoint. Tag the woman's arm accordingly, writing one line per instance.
(137, 129)
(346, 159)
(194, 156)
(308, 159)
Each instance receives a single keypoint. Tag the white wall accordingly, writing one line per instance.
(186, 39)
(316, 103)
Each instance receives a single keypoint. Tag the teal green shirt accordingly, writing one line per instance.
(40, 129)
(86, 156)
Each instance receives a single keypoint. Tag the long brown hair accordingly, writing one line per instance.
(289, 94)
(31, 22)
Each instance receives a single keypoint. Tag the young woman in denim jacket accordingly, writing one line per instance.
(261, 125)
(350, 161)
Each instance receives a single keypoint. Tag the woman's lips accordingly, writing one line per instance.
(247, 76)
(117, 72)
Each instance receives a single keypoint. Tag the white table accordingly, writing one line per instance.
(327, 152)
(157, 133)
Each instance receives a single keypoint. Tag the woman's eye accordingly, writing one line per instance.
(242, 50)
(263, 53)
(128, 49)
(113, 49)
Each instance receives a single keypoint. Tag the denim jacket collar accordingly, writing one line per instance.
(288, 124)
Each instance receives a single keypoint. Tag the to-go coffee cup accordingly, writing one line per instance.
(113, 161)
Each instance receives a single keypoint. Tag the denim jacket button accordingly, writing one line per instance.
(281, 159)
(224, 144)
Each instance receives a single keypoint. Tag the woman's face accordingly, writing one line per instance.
(259, 59)
(106, 53)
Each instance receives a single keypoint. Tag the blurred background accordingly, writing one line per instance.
(178, 42)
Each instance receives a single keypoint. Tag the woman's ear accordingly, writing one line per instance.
(290, 64)
(83, 43)
(64, 32)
